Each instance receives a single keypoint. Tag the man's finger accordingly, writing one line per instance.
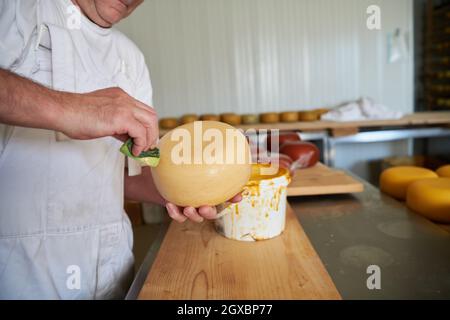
(150, 122)
(139, 135)
(175, 213)
(236, 198)
(192, 214)
(207, 212)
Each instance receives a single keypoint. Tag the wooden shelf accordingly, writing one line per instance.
(415, 119)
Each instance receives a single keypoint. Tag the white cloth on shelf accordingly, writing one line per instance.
(363, 109)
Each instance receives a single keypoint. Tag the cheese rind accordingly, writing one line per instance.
(430, 198)
(444, 171)
(395, 181)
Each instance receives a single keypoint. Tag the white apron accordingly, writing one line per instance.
(63, 231)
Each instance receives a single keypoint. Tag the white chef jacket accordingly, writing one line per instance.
(63, 230)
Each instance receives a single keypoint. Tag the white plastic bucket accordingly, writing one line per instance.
(262, 212)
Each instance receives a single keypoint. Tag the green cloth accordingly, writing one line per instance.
(148, 158)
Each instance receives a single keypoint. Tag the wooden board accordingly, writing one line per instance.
(321, 179)
(414, 119)
(195, 262)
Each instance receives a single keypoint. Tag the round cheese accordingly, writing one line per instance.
(289, 116)
(168, 123)
(188, 118)
(430, 198)
(269, 117)
(395, 181)
(231, 118)
(444, 171)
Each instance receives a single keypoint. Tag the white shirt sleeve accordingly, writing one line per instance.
(17, 21)
(144, 90)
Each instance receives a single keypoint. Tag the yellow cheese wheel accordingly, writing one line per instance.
(250, 118)
(444, 171)
(195, 170)
(430, 198)
(395, 181)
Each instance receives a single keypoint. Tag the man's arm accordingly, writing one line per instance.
(107, 112)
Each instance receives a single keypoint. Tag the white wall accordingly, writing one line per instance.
(272, 55)
(263, 55)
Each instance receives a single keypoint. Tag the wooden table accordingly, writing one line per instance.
(195, 262)
(344, 233)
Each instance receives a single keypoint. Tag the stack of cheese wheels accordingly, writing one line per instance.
(395, 181)
(430, 198)
(444, 171)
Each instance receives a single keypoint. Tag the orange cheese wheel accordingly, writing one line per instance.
(430, 198)
(444, 171)
(168, 123)
(231, 118)
(210, 117)
(308, 116)
(395, 181)
(289, 116)
(188, 118)
(269, 117)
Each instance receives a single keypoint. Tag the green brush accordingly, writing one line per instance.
(148, 158)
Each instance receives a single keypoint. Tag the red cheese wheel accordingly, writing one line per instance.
(304, 154)
(283, 137)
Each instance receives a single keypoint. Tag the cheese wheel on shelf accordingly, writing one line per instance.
(308, 115)
(168, 123)
(289, 116)
(395, 181)
(430, 198)
(250, 119)
(269, 117)
(444, 171)
(231, 118)
(188, 118)
(210, 117)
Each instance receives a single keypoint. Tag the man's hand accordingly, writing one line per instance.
(111, 112)
(102, 113)
(197, 215)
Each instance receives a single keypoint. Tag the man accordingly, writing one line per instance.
(70, 93)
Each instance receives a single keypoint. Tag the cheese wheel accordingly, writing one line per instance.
(395, 181)
(231, 118)
(308, 116)
(210, 117)
(188, 118)
(289, 116)
(250, 118)
(430, 198)
(168, 123)
(444, 171)
(269, 117)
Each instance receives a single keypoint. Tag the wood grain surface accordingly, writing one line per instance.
(321, 179)
(195, 262)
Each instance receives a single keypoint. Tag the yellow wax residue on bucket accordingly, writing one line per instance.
(261, 213)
